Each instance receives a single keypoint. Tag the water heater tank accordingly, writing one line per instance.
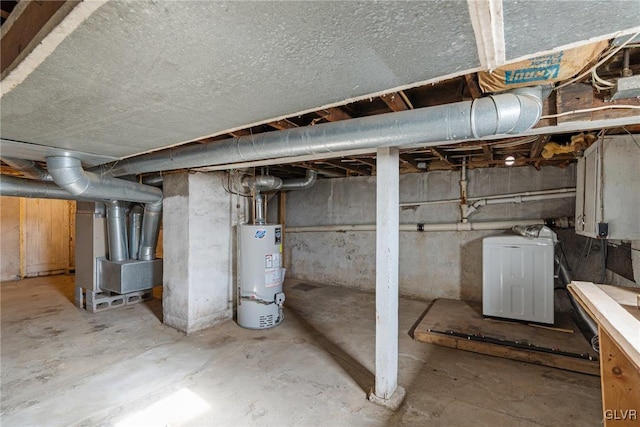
(260, 276)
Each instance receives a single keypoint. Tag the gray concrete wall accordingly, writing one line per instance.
(9, 238)
(432, 265)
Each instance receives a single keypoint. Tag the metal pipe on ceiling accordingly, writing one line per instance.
(506, 113)
(68, 173)
(24, 187)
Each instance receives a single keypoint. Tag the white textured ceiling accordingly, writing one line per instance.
(139, 76)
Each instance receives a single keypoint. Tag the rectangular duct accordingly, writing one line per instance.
(123, 277)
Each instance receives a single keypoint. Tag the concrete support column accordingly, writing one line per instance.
(197, 251)
(387, 392)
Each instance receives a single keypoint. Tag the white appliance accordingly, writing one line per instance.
(517, 276)
(261, 275)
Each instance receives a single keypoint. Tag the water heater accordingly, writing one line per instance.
(260, 276)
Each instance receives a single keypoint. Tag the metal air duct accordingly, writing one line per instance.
(150, 230)
(117, 230)
(23, 187)
(67, 172)
(135, 228)
(507, 113)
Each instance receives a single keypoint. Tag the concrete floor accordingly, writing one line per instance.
(62, 366)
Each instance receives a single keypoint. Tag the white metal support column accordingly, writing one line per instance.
(387, 392)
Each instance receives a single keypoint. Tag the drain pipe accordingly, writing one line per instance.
(517, 199)
(507, 113)
(463, 191)
(117, 230)
(29, 168)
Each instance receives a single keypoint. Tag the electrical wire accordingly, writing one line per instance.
(586, 110)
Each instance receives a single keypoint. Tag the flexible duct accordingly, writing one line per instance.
(135, 228)
(117, 230)
(507, 113)
(67, 172)
(29, 168)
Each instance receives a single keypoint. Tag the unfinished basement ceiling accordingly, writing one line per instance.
(134, 77)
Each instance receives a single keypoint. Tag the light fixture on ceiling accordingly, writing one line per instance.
(509, 161)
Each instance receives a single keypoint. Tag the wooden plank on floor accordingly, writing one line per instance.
(449, 322)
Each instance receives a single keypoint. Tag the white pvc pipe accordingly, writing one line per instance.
(453, 226)
(497, 196)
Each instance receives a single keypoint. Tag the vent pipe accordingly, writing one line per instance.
(150, 230)
(117, 230)
(263, 183)
(135, 228)
(506, 113)
(300, 183)
(29, 168)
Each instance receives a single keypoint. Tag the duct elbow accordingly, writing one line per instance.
(507, 113)
(67, 173)
(301, 184)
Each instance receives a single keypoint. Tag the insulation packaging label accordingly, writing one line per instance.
(260, 233)
(273, 277)
(542, 69)
(278, 236)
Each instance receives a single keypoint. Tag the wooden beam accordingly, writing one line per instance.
(473, 86)
(394, 101)
(441, 156)
(333, 114)
(346, 167)
(4, 14)
(282, 124)
(538, 145)
(488, 152)
(368, 162)
(240, 132)
(27, 25)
